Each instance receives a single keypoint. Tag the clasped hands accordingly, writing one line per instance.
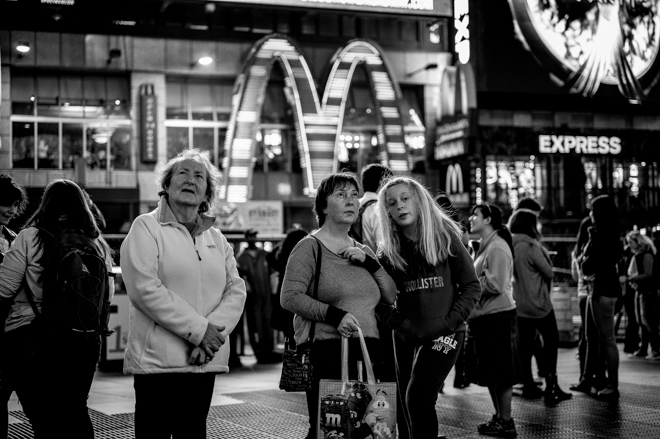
(210, 344)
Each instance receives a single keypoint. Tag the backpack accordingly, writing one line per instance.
(356, 227)
(76, 292)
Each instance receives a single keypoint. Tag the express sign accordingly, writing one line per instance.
(558, 144)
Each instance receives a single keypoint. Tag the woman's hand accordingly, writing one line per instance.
(353, 254)
(198, 357)
(348, 325)
(213, 339)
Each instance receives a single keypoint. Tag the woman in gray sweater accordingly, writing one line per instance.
(532, 281)
(351, 284)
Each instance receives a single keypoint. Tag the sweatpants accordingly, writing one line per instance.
(420, 372)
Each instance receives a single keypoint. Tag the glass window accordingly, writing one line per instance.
(120, 148)
(72, 144)
(177, 140)
(176, 106)
(23, 145)
(203, 140)
(201, 101)
(48, 146)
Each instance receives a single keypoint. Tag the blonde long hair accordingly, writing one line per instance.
(433, 231)
(645, 243)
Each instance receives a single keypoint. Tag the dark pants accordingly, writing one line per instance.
(172, 405)
(420, 373)
(646, 305)
(631, 338)
(527, 338)
(55, 407)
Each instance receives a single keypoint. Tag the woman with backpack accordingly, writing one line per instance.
(55, 407)
(640, 278)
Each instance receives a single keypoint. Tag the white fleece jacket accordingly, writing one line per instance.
(177, 284)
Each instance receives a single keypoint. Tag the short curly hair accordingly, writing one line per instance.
(327, 187)
(213, 175)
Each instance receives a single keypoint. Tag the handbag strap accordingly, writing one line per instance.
(371, 378)
(317, 275)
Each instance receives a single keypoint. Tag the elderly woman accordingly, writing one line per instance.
(186, 297)
(55, 407)
(351, 284)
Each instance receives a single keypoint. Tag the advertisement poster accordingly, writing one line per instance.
(266, 217)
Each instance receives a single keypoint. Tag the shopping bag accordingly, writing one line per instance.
(355, 409)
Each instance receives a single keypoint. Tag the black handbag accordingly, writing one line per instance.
(297, 372)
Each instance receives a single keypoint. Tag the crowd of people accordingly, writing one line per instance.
(428, 293)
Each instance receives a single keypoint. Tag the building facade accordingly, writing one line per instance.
(557, 101)
(278, 94)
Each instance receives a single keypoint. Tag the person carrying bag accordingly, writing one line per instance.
(353, 409)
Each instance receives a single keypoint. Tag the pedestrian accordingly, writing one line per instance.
(254, 269)
(351, 283)
(532, 283)
(631, 337)
(13, 200)
(432, 269)
(185, 298)
(55, 407)
(372, 176)
(640, 278)
(281, 319)
(599, 259)
(466, 349)
(493, 320)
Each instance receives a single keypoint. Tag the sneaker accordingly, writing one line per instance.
(499, 428)
(487, 425)
(654, 356)
(639, 354)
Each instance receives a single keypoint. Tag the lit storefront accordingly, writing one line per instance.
(521, 120)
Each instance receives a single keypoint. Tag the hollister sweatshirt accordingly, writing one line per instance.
(432, 301)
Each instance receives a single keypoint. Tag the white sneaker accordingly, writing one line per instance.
(653, 356)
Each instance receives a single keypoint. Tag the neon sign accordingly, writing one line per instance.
(551, 144)
(462, 37)
(318, 121)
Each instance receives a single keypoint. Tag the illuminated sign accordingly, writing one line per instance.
(586, 43)
(451, 138)
(148, 108)
(58, 2)
(553, 144)
(433, 8)
(318, 121)
(461, 24)
(454, 185)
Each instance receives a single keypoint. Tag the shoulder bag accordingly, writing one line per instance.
(297, 374)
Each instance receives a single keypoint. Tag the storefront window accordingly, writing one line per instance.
(508, 181)
(23, 145)
(177, 141)
(74, 116)
(72, 144)
(48, 146)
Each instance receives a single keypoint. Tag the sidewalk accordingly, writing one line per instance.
(247, 404)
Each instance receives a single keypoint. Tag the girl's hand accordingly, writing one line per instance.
(348, 326)
(353, 254)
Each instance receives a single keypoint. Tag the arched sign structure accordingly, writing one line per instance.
(318, 122)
